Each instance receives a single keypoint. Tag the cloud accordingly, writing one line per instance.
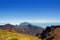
(15, 21)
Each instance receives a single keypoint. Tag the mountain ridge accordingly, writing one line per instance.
(25, 28)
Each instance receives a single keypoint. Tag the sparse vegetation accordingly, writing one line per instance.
(6, 35)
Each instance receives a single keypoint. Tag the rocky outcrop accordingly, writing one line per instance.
(51, 33)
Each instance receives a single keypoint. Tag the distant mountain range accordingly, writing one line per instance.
(25, 28)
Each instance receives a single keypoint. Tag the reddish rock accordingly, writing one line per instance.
(57, 37)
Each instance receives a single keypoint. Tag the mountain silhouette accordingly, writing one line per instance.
(25, 24)
(28, 28)
(25, 28)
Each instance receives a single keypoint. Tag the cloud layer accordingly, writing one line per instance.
(15, 21)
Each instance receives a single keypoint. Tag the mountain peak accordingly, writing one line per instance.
(25, 24)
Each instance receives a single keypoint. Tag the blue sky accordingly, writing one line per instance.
(34, 11)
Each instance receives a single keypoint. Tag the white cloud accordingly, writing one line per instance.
(15, 21)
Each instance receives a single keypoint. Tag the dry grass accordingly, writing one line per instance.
(6, 35)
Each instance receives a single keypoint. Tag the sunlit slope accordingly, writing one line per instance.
(6, 35)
